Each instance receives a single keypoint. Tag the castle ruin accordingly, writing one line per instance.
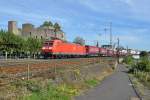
(42, 32)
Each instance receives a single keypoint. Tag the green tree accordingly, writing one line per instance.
(47, 23)
(1, 39)
(11, 43)
(79, 40)
(34, 45)
(57, 27)
(7, 41)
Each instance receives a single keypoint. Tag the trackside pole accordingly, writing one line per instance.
(118, 51)
(28, 74)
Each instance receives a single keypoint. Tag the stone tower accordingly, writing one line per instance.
(27, 29)
(12, 27)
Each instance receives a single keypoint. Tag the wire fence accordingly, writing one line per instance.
(22, 55)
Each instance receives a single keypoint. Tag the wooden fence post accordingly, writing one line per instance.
(28, 72)
(6, 55)
(146, 76)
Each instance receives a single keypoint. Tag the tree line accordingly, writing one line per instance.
(56, 26)
(14, 45)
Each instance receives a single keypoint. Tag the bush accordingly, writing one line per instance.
(142, 65)
(128, 60)
(143, 54)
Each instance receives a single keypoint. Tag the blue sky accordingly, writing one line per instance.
(86, 18)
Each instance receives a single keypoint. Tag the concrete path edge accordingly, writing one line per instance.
(135, 89)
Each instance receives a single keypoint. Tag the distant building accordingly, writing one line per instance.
(12, 27)
(28, 30)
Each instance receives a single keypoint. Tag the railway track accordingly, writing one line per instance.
(12, 62)
(20, 66)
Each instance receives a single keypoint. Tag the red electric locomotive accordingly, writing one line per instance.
(59, 48)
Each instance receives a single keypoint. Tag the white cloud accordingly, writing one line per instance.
(30, 16)
(133, 9)
(129, 2)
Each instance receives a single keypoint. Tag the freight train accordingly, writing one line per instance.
(60, 49)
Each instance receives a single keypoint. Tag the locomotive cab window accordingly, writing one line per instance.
(50, 44)
(46, 44)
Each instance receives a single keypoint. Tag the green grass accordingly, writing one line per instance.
(51, 92)
(92, 82)
(129, 60)
(58, 92)
(143, 77)
(47, 95)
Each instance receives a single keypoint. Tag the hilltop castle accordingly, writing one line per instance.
(42, 32)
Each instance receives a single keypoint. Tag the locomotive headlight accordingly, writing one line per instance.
(43, 48)
(50, 48)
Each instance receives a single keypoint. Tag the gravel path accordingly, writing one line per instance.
(114, 87)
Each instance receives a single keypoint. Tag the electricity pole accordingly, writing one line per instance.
(105, 30)
(118, 49)
(110, 33)
(127, 50)
(99, 39)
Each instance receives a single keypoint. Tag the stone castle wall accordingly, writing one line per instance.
(28, 30)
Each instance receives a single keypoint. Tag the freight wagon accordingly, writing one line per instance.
(110, 52)
(92, 50)
(103, 51)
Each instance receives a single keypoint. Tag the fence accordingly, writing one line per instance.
(14, 55)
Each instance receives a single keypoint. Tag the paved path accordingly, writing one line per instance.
(114, 87)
